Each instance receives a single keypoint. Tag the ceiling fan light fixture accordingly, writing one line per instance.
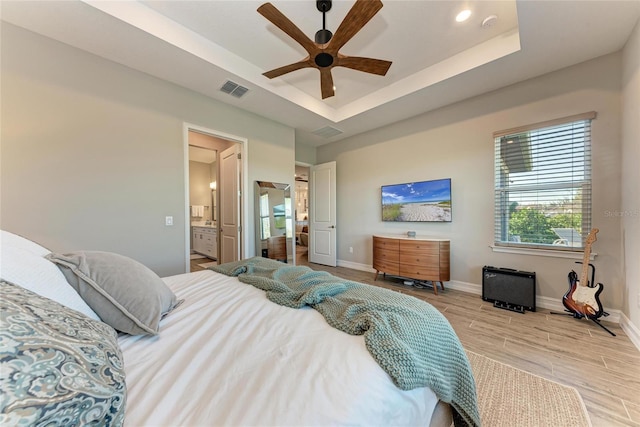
(323, 59)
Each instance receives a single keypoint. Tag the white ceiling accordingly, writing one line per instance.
(202, 155)
(436, 61)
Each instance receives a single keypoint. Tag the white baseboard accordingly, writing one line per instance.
(630, 329)
(547, 303)
(553, 304)
(470, 288)
(356, 266)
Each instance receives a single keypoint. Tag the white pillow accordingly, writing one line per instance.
(8, 239)
(22, 267)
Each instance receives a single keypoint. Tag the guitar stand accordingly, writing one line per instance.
(580, 316)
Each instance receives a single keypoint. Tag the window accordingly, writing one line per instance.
(264, 216)
(543, 184)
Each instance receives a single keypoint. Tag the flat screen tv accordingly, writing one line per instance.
(424, 201)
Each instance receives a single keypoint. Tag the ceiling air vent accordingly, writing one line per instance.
(327, 132)
(233, 89)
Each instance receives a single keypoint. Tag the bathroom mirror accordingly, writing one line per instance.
(274, 221)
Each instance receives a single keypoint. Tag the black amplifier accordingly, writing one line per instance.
(509, 289)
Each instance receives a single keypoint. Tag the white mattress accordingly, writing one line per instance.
(229, 356)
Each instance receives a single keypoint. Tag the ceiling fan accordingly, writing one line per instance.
(324, 52)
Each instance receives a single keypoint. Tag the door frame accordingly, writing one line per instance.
(294, 197)
(244, 202)
(328, 225)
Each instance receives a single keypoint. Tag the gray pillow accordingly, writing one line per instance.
(124, 293)
(59, 367)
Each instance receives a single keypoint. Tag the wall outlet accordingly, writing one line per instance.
(638, 300)
(168, 221)
(350, 250)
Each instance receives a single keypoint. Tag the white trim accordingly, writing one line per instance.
(470, 288)
(590, 115)
(547, 303)
(185, 205)
(356, 266)
(630, 329)
(542, 252)
(244, 208)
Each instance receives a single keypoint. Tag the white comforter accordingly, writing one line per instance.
(229, 356)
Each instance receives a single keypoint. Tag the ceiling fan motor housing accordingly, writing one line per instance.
(323, 36)
(323, 5)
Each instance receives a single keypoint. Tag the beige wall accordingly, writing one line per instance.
(93, 152)
(456, 142)
(630, 209)
(305, 154)
(199, 190)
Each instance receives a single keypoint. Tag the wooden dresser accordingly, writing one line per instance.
(277, 248)
(417, 258)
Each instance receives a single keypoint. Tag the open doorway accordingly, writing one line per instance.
(301, 214)
(203, 173)
(214, 203)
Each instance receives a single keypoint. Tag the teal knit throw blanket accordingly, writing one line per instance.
(411, 340)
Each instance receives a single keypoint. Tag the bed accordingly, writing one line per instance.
(217, 351)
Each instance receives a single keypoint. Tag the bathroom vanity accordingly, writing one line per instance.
(205, 240)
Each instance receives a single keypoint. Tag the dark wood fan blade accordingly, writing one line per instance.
(276, 17)
(361, 13)
(367, 65)
(277, 72)
(326, 83)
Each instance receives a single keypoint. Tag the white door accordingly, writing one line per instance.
(229, 223)
(322, 214)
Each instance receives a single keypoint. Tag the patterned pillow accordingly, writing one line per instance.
(57, 366)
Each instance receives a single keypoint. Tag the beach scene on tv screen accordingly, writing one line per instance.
(417, 201)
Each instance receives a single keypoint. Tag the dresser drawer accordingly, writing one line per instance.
(421, 272)
(408, 247)
(389, 267)
(418, 259)
(382, 243)
(386, 255)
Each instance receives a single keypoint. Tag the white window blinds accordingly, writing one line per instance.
(543, 184)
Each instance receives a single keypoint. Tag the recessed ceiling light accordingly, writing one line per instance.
(463, 16)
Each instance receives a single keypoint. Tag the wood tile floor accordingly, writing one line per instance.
(604, 369)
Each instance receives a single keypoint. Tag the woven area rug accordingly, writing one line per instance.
(511, 397)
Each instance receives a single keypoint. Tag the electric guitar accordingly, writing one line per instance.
(582, 297)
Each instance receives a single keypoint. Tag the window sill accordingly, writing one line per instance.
(542, 252)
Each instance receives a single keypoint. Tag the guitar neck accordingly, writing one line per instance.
(584, 277)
